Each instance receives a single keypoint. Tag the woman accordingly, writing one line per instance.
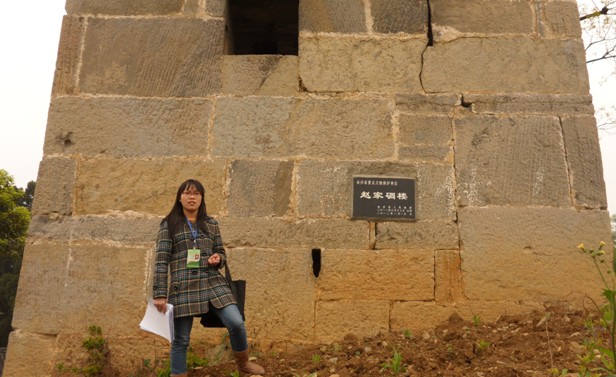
(189, 247)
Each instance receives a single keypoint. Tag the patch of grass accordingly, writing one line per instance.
(394, 364)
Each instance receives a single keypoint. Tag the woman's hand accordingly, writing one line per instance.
(161, 304)
(214, 260)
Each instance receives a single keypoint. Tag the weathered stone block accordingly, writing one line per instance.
(426, 153)
(284, 127)
(332, 16)
(128, 350)
(399, 16)
(392, 275)
(29, 354)
(192, 8)
(511, 161)
(334, 64)
(560, 19)
(119, 227)
(147, 186)
(65, 77)
(584, 161)
(427, 103)
(425, 137)
(422, 316)
(55, 186)
(433, 234)
(448, 276)
(450, 18)
(336, 319)
(124, 8)
(145, 127)
(216, 8)
(513, 254)
(269, 75)
(260, 188)
(308, 233)
(153, 57)
(505, 65)
(435, 130)
(283, 280)
(84, 283)
(548, 104)
(324, 189)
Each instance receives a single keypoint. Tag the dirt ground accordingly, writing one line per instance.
(541, 344)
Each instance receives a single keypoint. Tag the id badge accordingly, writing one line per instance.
(192, 260)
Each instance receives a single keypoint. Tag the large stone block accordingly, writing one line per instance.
(260, 188)
(425, 316)
(324, 189)
(364, 318)
(425, 137)
(153, 57)
(547, 104)
(399, 16)
(450, 18)
(334, 64)
(530, 254)
(119, 227)
(73, 285)
(313, 127)
(128, 351)
(280, 292)
(29, 354)
(448, 276)
(266, 75)
(559, 19)
(381, 274)
(69, 50)
(332, 16)
(432, 234)
(435, 130)
(515, 161)
(216, 8)
(505, 65)
(147, 186)
(128, 127)
(584, 161)
(308, 233)
(55, 186)
(124, 8)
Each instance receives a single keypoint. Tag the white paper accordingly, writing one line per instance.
(157, 322)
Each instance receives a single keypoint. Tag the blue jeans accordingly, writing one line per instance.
(230, 317)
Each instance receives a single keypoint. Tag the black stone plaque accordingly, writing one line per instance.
(383, 198)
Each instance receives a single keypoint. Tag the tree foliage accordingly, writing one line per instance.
(14, 221)
(597, 18)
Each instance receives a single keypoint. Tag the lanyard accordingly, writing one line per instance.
(194, 232)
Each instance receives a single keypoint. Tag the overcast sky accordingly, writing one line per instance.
(29, 35)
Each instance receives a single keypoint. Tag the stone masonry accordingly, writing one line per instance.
(484, 103)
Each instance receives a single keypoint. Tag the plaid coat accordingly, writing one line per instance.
(190, 290)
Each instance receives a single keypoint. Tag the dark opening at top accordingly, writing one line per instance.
(262, 27)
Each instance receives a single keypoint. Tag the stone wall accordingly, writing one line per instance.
(484, 103)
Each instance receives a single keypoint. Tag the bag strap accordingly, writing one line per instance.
(228, 273)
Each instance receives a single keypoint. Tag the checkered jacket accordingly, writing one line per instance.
(190, 290)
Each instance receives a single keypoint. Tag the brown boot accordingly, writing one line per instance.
(180, 375)
(245, 366)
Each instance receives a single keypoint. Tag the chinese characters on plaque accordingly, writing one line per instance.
(388, 198)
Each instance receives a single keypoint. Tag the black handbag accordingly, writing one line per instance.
(238, 288)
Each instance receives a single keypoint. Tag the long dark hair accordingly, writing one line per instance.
(175, 219)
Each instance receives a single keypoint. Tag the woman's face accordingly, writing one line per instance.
(191, 199)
